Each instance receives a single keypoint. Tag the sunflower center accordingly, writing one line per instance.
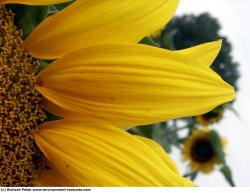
(202, 151)
(20, 106)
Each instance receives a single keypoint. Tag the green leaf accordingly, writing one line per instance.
(149, 41)
(167, 42)
(145, 130)
(164, 144)
(62, 5)
(159, 135)
(226, 171)
(217, 146)
(44, 64)
(193, 176)
(51, 117)
(28, 17)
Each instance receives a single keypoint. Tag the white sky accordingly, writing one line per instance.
(234, 17)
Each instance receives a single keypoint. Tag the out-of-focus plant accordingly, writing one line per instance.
(211, 117)
(190, 30)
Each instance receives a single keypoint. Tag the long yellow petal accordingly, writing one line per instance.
(51, 177)
(158, 149)
(59, 111)
(204, 53)
(97, 154)
(34, 2)
(86, 23)
(132, 84)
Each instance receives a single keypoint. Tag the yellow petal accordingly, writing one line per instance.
(62, 112)
(34, 2)
(204, 53)
(58, 111)
(86, 23)
(158, 149)
(51, 177)
(132, 85)
(94, 154)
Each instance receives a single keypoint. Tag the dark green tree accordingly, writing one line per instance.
(190, 30)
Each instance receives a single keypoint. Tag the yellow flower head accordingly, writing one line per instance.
(101, 81)
(199, 152)
(213, 116)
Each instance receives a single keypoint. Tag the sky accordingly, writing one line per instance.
(233, 16)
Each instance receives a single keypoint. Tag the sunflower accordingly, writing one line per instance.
(213, 116)
(199, 151)
(100, 81)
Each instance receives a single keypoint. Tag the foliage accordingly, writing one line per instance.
(190, 30)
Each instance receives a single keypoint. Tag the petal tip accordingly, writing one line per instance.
(233, 93)
(230, 93)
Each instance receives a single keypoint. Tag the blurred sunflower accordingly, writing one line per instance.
(213, 116)
(199, 151)
(101, 82)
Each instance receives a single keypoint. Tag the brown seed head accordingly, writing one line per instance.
(20, 106)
